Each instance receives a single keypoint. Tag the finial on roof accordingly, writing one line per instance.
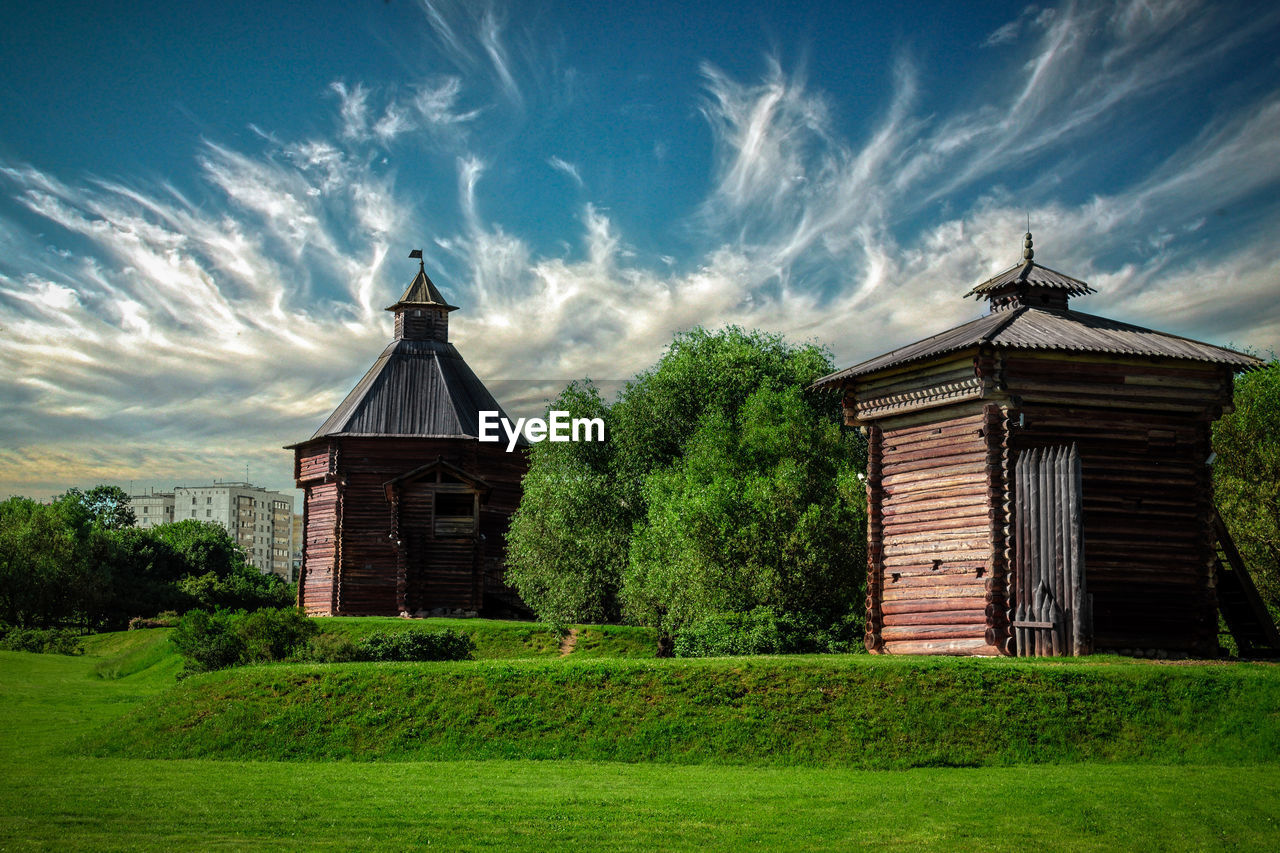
(1027, 252)
(417, 253)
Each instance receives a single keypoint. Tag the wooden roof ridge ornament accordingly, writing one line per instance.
(1028, 284)
(422, 291)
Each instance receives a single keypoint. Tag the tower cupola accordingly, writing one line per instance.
(422, 313)
(1027, 284)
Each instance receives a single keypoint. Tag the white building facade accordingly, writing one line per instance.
(260, 521)
(150, 510)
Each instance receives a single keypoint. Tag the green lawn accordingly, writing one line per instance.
(54, 799)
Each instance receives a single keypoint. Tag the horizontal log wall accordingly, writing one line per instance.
(1143, 432)
(313, 462)
(319, 553)
(366, 583)
(931, 516)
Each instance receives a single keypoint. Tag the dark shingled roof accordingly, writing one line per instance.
(422, 291)
(1048, 329)
(416, 388)
(1028, 272)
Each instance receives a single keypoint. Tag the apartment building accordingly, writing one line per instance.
(259, 520)
(150, 510)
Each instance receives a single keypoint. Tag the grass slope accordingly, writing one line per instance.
(52, 800)
(865, 712)
(500, 640)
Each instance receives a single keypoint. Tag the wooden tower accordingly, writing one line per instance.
(405, 510)
(1038, 480)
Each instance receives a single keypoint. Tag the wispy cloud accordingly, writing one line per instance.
(144, 330)
(567, 168)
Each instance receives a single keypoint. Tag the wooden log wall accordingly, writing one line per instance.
(875, 541)
(353, 505)
(319, 557)
(931, 507)
(914, 388)
(1142, 428)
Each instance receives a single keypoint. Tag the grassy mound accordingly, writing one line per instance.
(123, 654)
(850, 711)
(500, 640)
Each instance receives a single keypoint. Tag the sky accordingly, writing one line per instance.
(205, 208)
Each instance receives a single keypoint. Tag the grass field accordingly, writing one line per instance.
(51, 797)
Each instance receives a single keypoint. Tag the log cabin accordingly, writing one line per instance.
(405, 510)
(1038, 480)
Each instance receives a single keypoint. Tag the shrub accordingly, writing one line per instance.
(274, 634)
(208, 641)
(330, 648)
(415, 645)
(765, 631)
(221, 639)
(168, 619)
(58, 641)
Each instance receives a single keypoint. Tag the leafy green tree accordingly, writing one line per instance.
(1246, 476)
(723, 486)
(764, 512)
(48, 573)
(568, 541)
(66, 564)
(108, 506)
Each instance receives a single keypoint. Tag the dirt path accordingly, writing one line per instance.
(569, 642)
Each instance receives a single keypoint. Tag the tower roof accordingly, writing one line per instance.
(415, 388)
(422, 290)
(419, 386)
(1029, 312)
(1026, 282)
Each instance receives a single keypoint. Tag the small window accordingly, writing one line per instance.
(455, 514)
(208, 501)
(208, 513)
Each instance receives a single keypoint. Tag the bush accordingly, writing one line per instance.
(168, 619)
(415, 644)
(765, 631)
(208, 641)
(58, 641)
(221, 639)
(271, 635)
(331, 648)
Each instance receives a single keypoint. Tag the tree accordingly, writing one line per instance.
(723, 486)
(107, 505)
(757, 513)
(568, 541)
(1246, 476)
(66, 563)
(47, 562)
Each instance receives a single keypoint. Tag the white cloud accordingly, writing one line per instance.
(184, 337)
(567, 168)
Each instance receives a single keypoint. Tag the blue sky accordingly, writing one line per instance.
(204, 207)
